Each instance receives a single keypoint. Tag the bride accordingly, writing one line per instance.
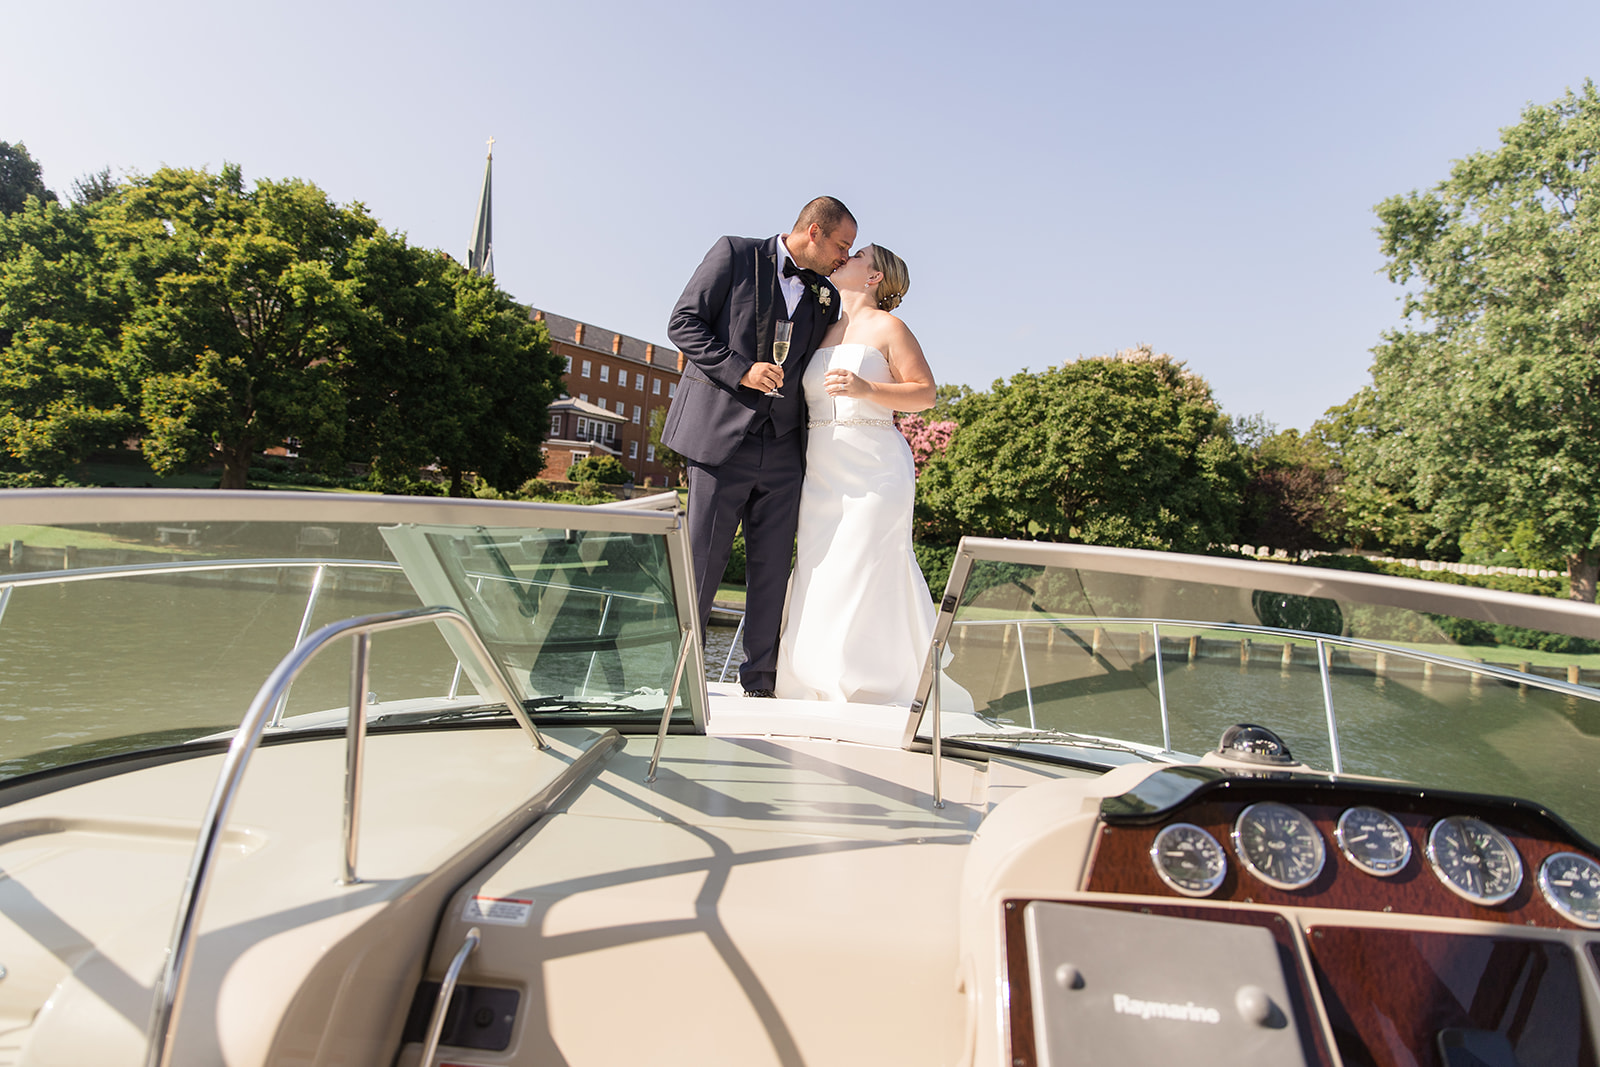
(859, 616)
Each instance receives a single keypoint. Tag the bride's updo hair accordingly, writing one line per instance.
(896, 278)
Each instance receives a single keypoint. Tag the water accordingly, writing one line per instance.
(1443, 730)
(718, 641)
(89, 668)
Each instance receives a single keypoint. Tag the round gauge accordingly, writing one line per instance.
(1279, 844)
(1189, 859)
(1374, 841)
(1474, 860)
(1571, 883)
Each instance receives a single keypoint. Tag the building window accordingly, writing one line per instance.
(650, 454)
(633, 449)
(638, 380)
(611, 431)
(583, 397)
(583, 425)
(569, 364)
(576, 455)
(655, 387)
(672, 390)
(586, 368)
(605, 373)
(637, 413)
(555, 425)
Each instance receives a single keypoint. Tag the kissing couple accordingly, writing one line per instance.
(806, 447)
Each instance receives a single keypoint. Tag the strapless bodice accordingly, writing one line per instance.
(865, 361)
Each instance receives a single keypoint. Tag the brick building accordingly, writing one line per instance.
(613, 383)
(578, 430)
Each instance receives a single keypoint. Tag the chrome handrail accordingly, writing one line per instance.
(170, 984)
(727, 661)
(686, 642)
(447, 988)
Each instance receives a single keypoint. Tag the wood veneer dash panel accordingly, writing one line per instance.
(1121, 862)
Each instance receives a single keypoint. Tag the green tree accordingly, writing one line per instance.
(664, 455)
(1128, 450)
(1375, 500)
(92, 188)
(514, 374)
(1291, 500)
(1494, 386)
(20, 178)
(242, 309)
(60, 324)
(606, 470)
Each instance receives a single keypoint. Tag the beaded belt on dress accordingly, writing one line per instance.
(814, 423)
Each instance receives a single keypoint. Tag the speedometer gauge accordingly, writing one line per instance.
(1571, 883)
(1374, 841)
(1474, 860)
(1279, 844)
(1189, 859)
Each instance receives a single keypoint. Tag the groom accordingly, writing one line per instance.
(746, 450)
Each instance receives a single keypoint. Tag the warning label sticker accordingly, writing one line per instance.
(506, 911)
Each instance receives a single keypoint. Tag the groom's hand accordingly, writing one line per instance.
(762, 377)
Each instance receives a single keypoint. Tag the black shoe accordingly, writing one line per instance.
(759, 693)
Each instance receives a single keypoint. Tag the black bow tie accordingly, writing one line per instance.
(790, 270)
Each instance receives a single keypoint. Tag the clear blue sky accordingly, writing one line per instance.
(1063, 179)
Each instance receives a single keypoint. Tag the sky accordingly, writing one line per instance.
(1063, 179)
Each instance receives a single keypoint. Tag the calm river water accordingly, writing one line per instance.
(85, 666)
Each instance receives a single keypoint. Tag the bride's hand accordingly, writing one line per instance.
(840, 382)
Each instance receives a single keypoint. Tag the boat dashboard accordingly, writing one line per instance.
(1307, 918)
(1316, 841)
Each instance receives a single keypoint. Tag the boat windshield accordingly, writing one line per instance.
(1443, 685)
(137, 620)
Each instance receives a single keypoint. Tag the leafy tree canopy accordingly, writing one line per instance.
(1292, 499)
(1128, 450)
(664, 455)
(243, 303)
(20, 178)
(1492, 390)
(60, 329)
(92, 188)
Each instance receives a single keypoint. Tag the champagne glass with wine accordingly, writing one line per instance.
(781, 331)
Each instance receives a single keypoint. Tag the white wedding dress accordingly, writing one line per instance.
(859, 616)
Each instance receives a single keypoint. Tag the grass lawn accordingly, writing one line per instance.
(62, 537)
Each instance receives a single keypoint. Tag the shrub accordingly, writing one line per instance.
(606, 470)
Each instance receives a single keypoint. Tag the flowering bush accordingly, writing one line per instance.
(926, 439)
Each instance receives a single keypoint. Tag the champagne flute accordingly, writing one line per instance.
(781, 331)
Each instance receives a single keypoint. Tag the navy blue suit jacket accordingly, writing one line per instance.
(723, 326)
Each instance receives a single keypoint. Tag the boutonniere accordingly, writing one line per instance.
(823, 294)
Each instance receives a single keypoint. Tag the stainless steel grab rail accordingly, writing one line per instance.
(447, 989)
(171, 983)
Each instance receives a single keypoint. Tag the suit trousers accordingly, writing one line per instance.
(759, 488)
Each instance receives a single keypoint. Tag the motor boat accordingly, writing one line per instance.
(331, 779)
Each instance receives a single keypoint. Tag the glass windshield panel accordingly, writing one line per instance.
(572, 614)
(116, 638)
(1095, 653)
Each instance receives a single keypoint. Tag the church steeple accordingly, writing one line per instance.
(480, 258)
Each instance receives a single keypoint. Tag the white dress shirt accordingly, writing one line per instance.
(794, 287)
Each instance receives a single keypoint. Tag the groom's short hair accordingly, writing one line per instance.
(827, 212)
